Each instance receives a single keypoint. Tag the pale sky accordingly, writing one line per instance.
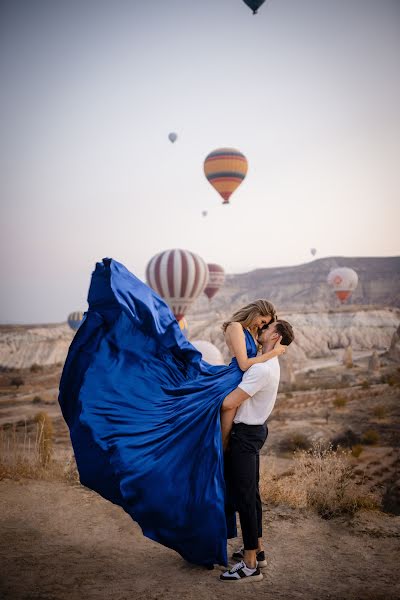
(308, 90)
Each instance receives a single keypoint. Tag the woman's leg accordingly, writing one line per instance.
(227, 417)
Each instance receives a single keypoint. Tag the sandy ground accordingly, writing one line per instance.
(61, 541)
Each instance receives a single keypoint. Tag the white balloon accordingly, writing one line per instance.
(210, 353)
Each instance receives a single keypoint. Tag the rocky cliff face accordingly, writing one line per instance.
(22, 346)
(319, 335)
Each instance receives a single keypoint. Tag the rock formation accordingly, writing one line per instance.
(348, 357)
(374, 364)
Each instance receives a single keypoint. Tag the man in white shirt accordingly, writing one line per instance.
(252, 401)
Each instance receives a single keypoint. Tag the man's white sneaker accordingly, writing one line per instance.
(240, 572)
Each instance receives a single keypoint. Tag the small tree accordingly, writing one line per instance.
(17, 381)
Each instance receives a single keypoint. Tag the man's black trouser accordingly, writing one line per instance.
(242, 474)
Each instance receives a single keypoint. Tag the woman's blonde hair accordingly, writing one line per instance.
(248, 313)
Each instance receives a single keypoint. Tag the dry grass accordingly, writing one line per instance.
(27, 452)
(379, 412)
(322, 479)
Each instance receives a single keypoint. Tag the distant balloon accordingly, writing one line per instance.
(75, 319)
(216, 278)
(204, 213)
(225, 169)
(183, 324)
(210, 353)
(178, 276)
(343, 281)
(313, 251)
(172, 137)
(254, 5)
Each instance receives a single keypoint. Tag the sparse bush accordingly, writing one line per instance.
(288, 395)
(379, 412)
(365, 385)
(45, 437)
(322, 479)
(356, 450)
(339, 402)
(37, 400)
(347, 439)
(370, 437)
(295, 441)
(17, 381)
(71, 470)
(35, 368)
(21, 456)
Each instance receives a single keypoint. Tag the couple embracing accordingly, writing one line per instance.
(149, 419)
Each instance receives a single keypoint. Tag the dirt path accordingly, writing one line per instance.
(60, 541)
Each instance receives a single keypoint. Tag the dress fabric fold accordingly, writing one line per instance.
(143, 412)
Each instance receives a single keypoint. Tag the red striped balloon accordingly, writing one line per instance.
(178, 276)
(216, 278)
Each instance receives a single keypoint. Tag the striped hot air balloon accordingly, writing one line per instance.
(75, 319)
(178, 276)
(343, 281)
(225, 169)
(216, 278)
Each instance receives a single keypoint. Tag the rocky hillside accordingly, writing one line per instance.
(304, 286)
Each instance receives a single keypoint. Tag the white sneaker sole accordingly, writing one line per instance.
(242, 579)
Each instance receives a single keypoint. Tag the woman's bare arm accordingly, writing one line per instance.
(235, 337)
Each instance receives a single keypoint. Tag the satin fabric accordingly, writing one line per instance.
(143, 412)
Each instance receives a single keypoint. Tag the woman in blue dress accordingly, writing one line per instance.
(143, 410)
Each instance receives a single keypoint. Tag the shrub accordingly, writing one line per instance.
(295, 441)
(356, 450)
(37, 400)
(365, 385)
(45, 437)
(339, 402)
(347, 439)
(20, 456)
(322, 479)
(288, 395)
(17, 381)
(379, 412)
(370, 437)
(35, 368)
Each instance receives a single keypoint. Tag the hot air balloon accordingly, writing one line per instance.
(178, 276)
(183, 324)
(75, 319)
(225, 169)
(344, 281)
(204, 213)
(210, 353)
(216, 278)
(313, 251)
(254, 5)
(172, 137)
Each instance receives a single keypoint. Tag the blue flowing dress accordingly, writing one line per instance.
(143, 412)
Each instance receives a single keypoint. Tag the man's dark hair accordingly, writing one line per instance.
(285, 330)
